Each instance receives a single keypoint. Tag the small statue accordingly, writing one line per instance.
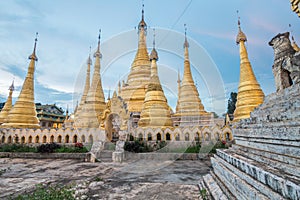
(286, 68)
(293, 66)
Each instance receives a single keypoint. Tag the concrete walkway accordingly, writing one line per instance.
(141, 179)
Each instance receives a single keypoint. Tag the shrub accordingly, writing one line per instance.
(203, 194)
(65, 149)
(49, 193)
(137, 147)
(79, 145)
(142, 146)
(48, 148)
(17, 148)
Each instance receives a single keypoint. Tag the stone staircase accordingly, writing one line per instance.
(106, 156)
(265, 161)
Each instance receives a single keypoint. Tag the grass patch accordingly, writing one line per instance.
(2, 171)
(193, 149)
(98, 179)
(43, 148)
(17, 148)
(203, 194)
(49, 193)
(66, 149)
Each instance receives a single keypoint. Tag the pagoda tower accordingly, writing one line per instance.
(86, 86)
(94, 105)
(23, 113)
(7, 106)
(155, 111)
(134, 90)
(249, 94)
(189, 108)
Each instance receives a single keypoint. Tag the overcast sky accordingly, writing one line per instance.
(68, 27)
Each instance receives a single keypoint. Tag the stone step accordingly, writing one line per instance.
(282, 163)
(106, 156)
(216, 188)
(223, 187)
(277, 157)
(109, 146)
(244, 183)
(275, 141)
(238, 186)
(289, 133)
(283, 184)
(291, 151)
(204, 191)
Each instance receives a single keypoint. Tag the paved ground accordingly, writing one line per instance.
(144, 179)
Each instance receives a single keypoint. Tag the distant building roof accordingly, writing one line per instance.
(49, 109)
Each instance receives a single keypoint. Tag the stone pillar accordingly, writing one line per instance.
(119, 155)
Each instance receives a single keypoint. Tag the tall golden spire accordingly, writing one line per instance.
(23, 113)
(86, 86)
(155, 110)
(134, 90)
(7, 106)
(189, 103)
(95, 102)
(178, 89)
(250, 94)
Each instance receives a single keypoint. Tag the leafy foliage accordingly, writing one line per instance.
(66, 149)
(193, 149)
(203, 194)
(219, 145)
(79, 145)
(137, 147)
(49, 193)
(17, 148)
(142, 146)
(231, 103)
(48, 148)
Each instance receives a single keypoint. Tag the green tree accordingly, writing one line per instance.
(215, 115)
(231, 104)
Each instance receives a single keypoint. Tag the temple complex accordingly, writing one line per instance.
(138, 109)
(262, 162)
(7, 106)
(23, 113)
(249, 94)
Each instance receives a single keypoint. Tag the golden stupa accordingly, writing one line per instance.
(94, 105)
(7, 106)
(249, 94)
(86, 87)
(155, 111)
(23, 113)
(189, 106)
(134, 90)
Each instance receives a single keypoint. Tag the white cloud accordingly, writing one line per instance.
(5, 82)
